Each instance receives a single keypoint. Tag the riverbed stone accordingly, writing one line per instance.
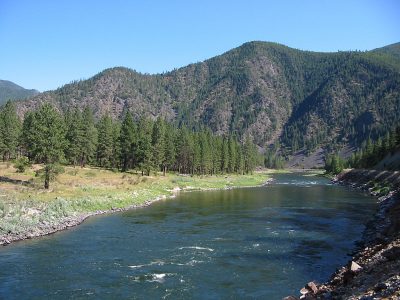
(304, 291)
(312, 287)
(355, 267)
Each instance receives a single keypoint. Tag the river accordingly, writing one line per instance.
(264, 243)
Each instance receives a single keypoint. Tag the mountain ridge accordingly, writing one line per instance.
(301, 99)
(12, 91)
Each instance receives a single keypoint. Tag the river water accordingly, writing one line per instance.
(263, 243)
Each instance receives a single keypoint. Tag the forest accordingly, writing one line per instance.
(369, 155)
(48, 137)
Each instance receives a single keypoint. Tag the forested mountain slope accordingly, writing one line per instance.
(301, 99)
(12, 91)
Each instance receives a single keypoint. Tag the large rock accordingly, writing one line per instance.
(312, 287)
(355, 267)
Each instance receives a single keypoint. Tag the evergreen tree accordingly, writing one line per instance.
(239, 159)
(231, 154)
(196, 152)
(225, 156)
(105, 142)
(158, 144)
(74, 136)
(89, 137)
(144, 148)
(47, 140)
(205, 152)
(10, 130)
(184, 151)
(116, 149)
(250, 155)
(334, 164)
(170, 149)
(217, 156)
(127, 142)
(27, 136)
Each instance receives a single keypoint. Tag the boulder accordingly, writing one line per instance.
(355, 267)
(304, 291)
(312, 287)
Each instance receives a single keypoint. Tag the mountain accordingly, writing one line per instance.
(12, 91)
(306, 101)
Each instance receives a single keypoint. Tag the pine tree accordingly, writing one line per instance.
(10, 127)
(127, 142)
(116, 149)
(184, 151)
(89, 137)
(225, 156)
(47, 140)
(231, 154)
(105, 142)
(74, 136)
(217, 146)
(144, 148)
(205, 153)
(239, 159)
(27, 137)
(196, 153)
(386, 142)
(158, 144)
(170, 149)
(250, 155)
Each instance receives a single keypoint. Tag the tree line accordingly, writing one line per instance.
(46, 136)
(372, 152)
(369, 155)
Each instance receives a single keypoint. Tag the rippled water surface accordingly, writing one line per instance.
(262, 243)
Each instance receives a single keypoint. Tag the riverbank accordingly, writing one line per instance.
(373, 272)
(28, 211)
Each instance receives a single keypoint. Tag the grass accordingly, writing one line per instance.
(24, 204)
(380, 188)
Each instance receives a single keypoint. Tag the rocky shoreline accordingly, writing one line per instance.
(374, 270)
(65, 223)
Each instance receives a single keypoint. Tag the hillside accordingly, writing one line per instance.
(301, 99)
(12, 91)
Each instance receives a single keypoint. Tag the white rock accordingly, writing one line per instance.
(355, 267)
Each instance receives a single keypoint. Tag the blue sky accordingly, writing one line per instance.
(45, 44)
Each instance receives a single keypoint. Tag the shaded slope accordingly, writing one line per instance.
(12, 91)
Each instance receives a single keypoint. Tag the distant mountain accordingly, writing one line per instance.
(12, 91)
(306, 101)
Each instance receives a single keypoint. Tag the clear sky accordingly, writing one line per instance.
(47, 43)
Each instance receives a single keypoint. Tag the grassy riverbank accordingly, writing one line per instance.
(27, 210)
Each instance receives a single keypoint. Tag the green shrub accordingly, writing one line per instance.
(21, 164)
